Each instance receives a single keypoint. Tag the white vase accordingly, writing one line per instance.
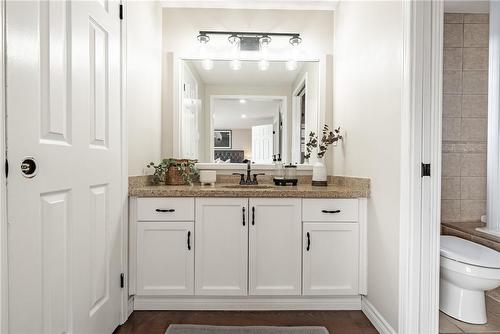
(319, 172)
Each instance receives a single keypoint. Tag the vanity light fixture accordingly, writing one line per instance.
(249, 41)
(203, 38)
(295, 40)
(234, 39)
(265, 40)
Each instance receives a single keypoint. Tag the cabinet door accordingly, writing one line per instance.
(221, 246)
(165, 258)
(330, 258)
(275, 246)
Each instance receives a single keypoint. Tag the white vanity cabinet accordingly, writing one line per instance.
(334, 245)
(221, 246)
(247, 253)
(164, 246)
(275, 246)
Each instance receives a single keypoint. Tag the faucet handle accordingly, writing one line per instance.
(242, 177)
(255, 176)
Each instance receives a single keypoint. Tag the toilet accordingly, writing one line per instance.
(467, 271)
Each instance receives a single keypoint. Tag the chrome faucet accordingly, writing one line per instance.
(249, 181)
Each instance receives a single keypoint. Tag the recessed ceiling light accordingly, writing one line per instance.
(243, 116)
(243, 101)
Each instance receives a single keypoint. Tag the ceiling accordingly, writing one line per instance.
(254, 4)
(248, 75)
(258, 111)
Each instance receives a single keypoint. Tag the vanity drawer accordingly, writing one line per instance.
(318, 210)
(165, 209)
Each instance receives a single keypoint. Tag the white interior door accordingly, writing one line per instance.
(64, 234)
(262, 143)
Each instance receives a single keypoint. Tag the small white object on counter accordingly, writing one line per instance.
(208, 177)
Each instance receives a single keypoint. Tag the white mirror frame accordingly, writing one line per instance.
(171, 144)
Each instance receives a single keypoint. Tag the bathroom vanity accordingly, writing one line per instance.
(233, 247)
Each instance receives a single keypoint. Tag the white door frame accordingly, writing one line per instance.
(3, 182)
(420, 143)
(127, 306)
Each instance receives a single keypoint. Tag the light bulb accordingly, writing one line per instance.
(235, 65)
(243, 101)
(291, 65)
(263, 65)
(207, 64)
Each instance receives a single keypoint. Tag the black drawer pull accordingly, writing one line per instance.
(253, 215)
(243, 210)
(308, 242)
(189, 240)
(330, 211)
(165, 210)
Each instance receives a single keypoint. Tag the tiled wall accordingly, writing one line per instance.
(465, 112)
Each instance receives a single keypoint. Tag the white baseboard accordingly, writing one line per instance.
(375, 317)
(247, 303)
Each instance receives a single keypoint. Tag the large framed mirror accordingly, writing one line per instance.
(231, 112)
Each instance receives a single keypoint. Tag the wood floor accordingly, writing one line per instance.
(337, 322)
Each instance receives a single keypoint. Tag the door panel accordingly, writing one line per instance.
(331, 257)
(63, 110)
(221, 246)
(275, 246)
(165, 258)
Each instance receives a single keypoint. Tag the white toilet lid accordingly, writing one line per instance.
(465, 251)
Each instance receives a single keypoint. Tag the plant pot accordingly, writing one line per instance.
(319, 177)
(173, 176)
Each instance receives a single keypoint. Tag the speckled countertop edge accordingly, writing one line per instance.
(339, 187)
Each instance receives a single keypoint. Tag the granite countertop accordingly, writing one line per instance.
(339, 187)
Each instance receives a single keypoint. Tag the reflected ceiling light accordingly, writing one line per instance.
(243, 101)
(207, 64)
(234, 39)
(203, 38)
(265, 40)
(295, 40)
(291, 65)
(235, 65)
(243, 116)
(263, 65)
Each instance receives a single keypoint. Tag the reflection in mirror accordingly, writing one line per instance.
(228, 115)
(247, 128)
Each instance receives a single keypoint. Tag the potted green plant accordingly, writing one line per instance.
(174, 171)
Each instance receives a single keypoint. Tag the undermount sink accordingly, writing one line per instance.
(250, 186)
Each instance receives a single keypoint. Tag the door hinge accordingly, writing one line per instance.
(120, 12)
(6, 168)
(122, 280)
(426, 169)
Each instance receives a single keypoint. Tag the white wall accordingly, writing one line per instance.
(367, 103)
(143, 75)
